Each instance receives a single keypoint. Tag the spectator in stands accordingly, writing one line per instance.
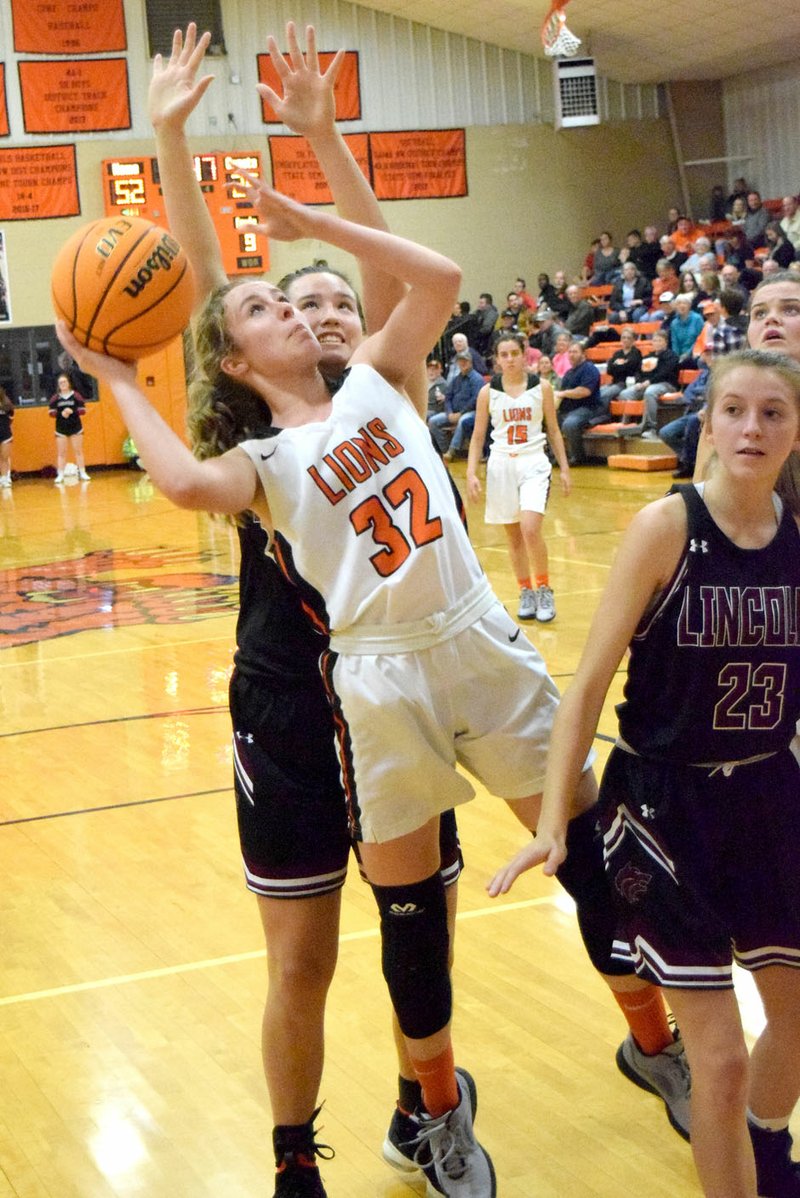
(548, 295)
(670, 253)
(710, 286)
(716, 207)
(436, 387)
(790, 221)
(545, 371)
(485, 319)
(527, 300)
(506, 323)
(658, 375)
(770, 267)
(683, 235)
(665, 312)
(460, 397)
(711, 311)
(740, 254)
(587, 270)
(623, 365)
(633, 240)
(688, 286)
(684, 329)
(547, 331)
(605, 267)
(630, 300)
(780, 248)
(559, 303)
(683, 433)
(738, 212)
(521, 313)
(561, 358)
(578, 402)
(648, 253)
(459, 343)
(666, 280)
(580, 316)
(729, 334)
(701, 249)
(738, 191)
(756, 220)
(673, 216)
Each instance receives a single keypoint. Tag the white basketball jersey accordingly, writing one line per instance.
(365, 505)
(516, 422)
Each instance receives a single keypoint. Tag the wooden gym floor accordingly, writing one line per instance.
(133, 972)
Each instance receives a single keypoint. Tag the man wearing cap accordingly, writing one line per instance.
(548, 329)
(460, 398)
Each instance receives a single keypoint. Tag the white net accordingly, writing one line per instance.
(561, 44)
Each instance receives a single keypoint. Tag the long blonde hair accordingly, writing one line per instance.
(788, 483)
(222, 412)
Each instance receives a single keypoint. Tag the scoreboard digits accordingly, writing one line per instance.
(132, 187)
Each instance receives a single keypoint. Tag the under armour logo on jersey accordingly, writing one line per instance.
(696, 546)
(404, 909)
(247, 737)
(647, 812)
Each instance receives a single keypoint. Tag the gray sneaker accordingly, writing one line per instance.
(462, 1169)
(527, 604)
(545, 605)
(401, 1146)
(665, 1074)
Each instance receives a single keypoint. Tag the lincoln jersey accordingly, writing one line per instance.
(517, 421)
(714, 671)
(363, 510)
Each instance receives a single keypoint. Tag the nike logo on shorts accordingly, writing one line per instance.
(514, 637)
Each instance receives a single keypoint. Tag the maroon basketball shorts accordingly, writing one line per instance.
(704, 866)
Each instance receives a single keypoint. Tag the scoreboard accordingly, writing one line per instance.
(132, 187)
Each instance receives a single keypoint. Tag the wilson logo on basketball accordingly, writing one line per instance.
(161, 258)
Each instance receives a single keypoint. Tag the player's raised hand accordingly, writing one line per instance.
(101, 366)
(281, 218)
(307, 104)
(175, 91)
(544, 850)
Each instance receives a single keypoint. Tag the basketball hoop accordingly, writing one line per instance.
(557, 40)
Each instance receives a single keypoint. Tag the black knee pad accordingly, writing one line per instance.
(415, 947)
(583, 877)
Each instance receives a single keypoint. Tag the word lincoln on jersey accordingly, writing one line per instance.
(714, 616)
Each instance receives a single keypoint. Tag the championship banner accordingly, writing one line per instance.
(429, 164)
(78, 95)
(68, 27)
(3, 108)
(5, 290)
(347, 92)
(38, 183)
(296, 172)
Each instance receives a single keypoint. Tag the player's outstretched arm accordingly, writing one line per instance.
(307, 106)
(227, 485)
(477, 441)
(544, 851)
(174, 93)
(433, 281)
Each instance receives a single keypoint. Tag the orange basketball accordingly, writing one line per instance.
(124, 286)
